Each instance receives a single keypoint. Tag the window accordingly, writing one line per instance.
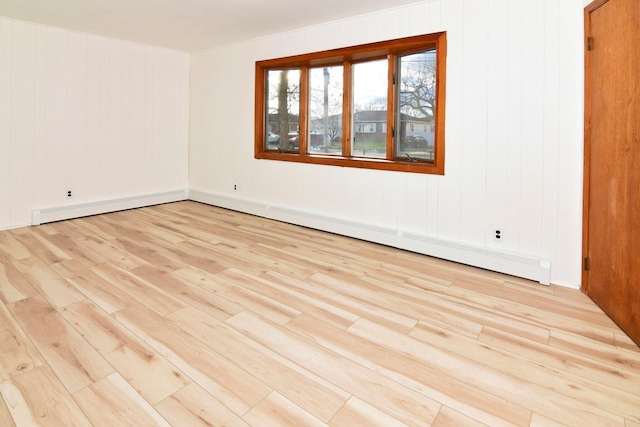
(325, 109)
(283, 94)
(365, 128)
(377, 106)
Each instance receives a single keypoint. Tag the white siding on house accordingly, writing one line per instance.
(105, 118)
(513, 132)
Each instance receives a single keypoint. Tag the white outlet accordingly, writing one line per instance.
(498, 234)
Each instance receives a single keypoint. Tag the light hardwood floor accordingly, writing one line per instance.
(185, 314)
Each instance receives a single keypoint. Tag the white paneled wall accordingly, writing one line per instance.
(513, 131)
(104, 118)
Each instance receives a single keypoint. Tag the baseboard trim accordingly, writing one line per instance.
(43, 216)
(519, 265)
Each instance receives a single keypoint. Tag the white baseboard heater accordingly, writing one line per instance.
(43, 216)
(528, 267)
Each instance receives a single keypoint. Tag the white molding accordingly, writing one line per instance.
(13, 227)
(42, 216)
(520, 265)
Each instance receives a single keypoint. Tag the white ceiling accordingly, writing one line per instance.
(188, 24)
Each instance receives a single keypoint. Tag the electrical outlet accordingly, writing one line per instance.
(498, 234)
(235, 187)
(69, 193)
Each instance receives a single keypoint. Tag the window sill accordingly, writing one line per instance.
(425, 167)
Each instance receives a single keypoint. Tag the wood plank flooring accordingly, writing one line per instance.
(186, 314)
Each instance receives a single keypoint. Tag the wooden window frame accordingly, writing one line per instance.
(389, 49)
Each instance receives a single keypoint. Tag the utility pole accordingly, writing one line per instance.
(326, 109)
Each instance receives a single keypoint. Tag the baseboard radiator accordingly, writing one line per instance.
(43, 216)
(528, 267)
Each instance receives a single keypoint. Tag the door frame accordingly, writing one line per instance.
(586, 189)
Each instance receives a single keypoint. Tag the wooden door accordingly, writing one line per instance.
(612, 161)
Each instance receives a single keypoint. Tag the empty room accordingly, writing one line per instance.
(337, 213)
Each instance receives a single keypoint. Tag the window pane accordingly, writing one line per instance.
(283, 110)
(325, 110)
(416, 101)
(370, 109)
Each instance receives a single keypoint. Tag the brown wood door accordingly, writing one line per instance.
(612, 161)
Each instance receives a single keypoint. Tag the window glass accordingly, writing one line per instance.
(416, 100)
(325, 110)
(283, 110)
(370, 84)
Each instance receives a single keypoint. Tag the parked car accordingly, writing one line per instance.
(420, 141)
(316, 140)
(272, 137)
(415, 141)
(409, 141)
(294, 141)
